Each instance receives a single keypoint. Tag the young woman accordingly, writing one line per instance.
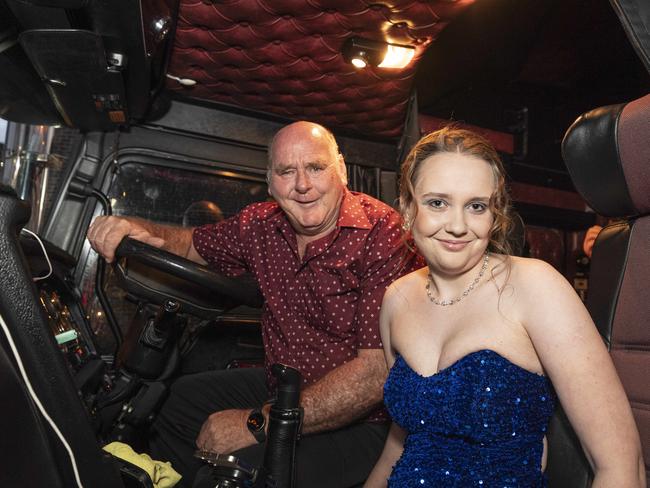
(479, 342)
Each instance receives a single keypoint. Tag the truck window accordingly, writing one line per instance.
(170, 195)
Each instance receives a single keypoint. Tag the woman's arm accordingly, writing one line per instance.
(395, 440)
(575, 358)
(389, 456)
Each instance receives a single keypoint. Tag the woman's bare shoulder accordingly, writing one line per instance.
(540, 288)
(398, 293)
(532, 272)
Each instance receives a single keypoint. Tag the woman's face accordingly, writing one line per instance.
(453, 221)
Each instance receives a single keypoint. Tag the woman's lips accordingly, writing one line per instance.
(453, 245)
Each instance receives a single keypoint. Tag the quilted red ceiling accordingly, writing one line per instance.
(284, 57)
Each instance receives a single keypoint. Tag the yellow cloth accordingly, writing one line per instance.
(161, 473)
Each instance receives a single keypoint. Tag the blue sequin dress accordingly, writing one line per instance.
(479, 422)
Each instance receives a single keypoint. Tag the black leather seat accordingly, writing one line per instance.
(607, 152)
(31, 453)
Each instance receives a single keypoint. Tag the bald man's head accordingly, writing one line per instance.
(303, 129)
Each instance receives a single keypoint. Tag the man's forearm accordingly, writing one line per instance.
(345, 394)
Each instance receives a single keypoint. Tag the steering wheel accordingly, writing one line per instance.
(157, 275)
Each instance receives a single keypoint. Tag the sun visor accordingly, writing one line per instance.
(84, 80)
(99, 64)
(23, 98)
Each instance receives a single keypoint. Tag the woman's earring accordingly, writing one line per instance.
(406, 226)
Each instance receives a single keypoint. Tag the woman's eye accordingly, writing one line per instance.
(436, 203)
(478, 207)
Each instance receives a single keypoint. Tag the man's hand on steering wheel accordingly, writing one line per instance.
(106, 232)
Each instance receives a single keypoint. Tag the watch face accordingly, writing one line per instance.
(255, 421)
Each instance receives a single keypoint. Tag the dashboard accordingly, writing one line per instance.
(65, 315)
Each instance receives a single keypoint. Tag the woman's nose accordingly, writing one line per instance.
(456, 223)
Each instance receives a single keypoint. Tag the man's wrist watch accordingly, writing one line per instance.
(256, 424)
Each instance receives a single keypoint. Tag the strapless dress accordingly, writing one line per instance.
(479, 422)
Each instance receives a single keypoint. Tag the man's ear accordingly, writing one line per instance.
(268, 182)
(342, 169)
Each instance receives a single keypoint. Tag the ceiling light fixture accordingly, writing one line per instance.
(363, 52)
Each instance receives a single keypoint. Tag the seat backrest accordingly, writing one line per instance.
(48, 374)
(607, 152)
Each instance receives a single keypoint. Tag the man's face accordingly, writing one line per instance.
(307, 178)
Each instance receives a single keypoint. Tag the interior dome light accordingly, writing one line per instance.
(397, 56)
(359, 61)
(363, 52)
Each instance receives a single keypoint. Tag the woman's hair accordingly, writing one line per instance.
(461, 141)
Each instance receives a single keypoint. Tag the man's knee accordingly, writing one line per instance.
(181, 389)
(180, 394)
(196, 396)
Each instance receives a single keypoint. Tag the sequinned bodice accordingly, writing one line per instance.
(479, 422)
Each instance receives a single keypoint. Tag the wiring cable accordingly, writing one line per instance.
(47, 258)
(37, 401)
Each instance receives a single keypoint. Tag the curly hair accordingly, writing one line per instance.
(454, 140)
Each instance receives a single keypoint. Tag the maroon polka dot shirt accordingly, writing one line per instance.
(321, 309)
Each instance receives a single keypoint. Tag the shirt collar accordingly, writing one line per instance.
(352, 213)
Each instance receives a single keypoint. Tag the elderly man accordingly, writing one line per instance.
(322, 257)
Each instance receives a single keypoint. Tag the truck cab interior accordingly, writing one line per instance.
(163, 109)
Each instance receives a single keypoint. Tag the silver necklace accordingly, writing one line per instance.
(454, 301)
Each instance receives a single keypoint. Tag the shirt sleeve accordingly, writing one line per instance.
(387, 258)
(222, 246)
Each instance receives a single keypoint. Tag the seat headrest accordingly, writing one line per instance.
(607, 153)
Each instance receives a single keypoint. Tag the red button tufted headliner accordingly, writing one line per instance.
(284, 57)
